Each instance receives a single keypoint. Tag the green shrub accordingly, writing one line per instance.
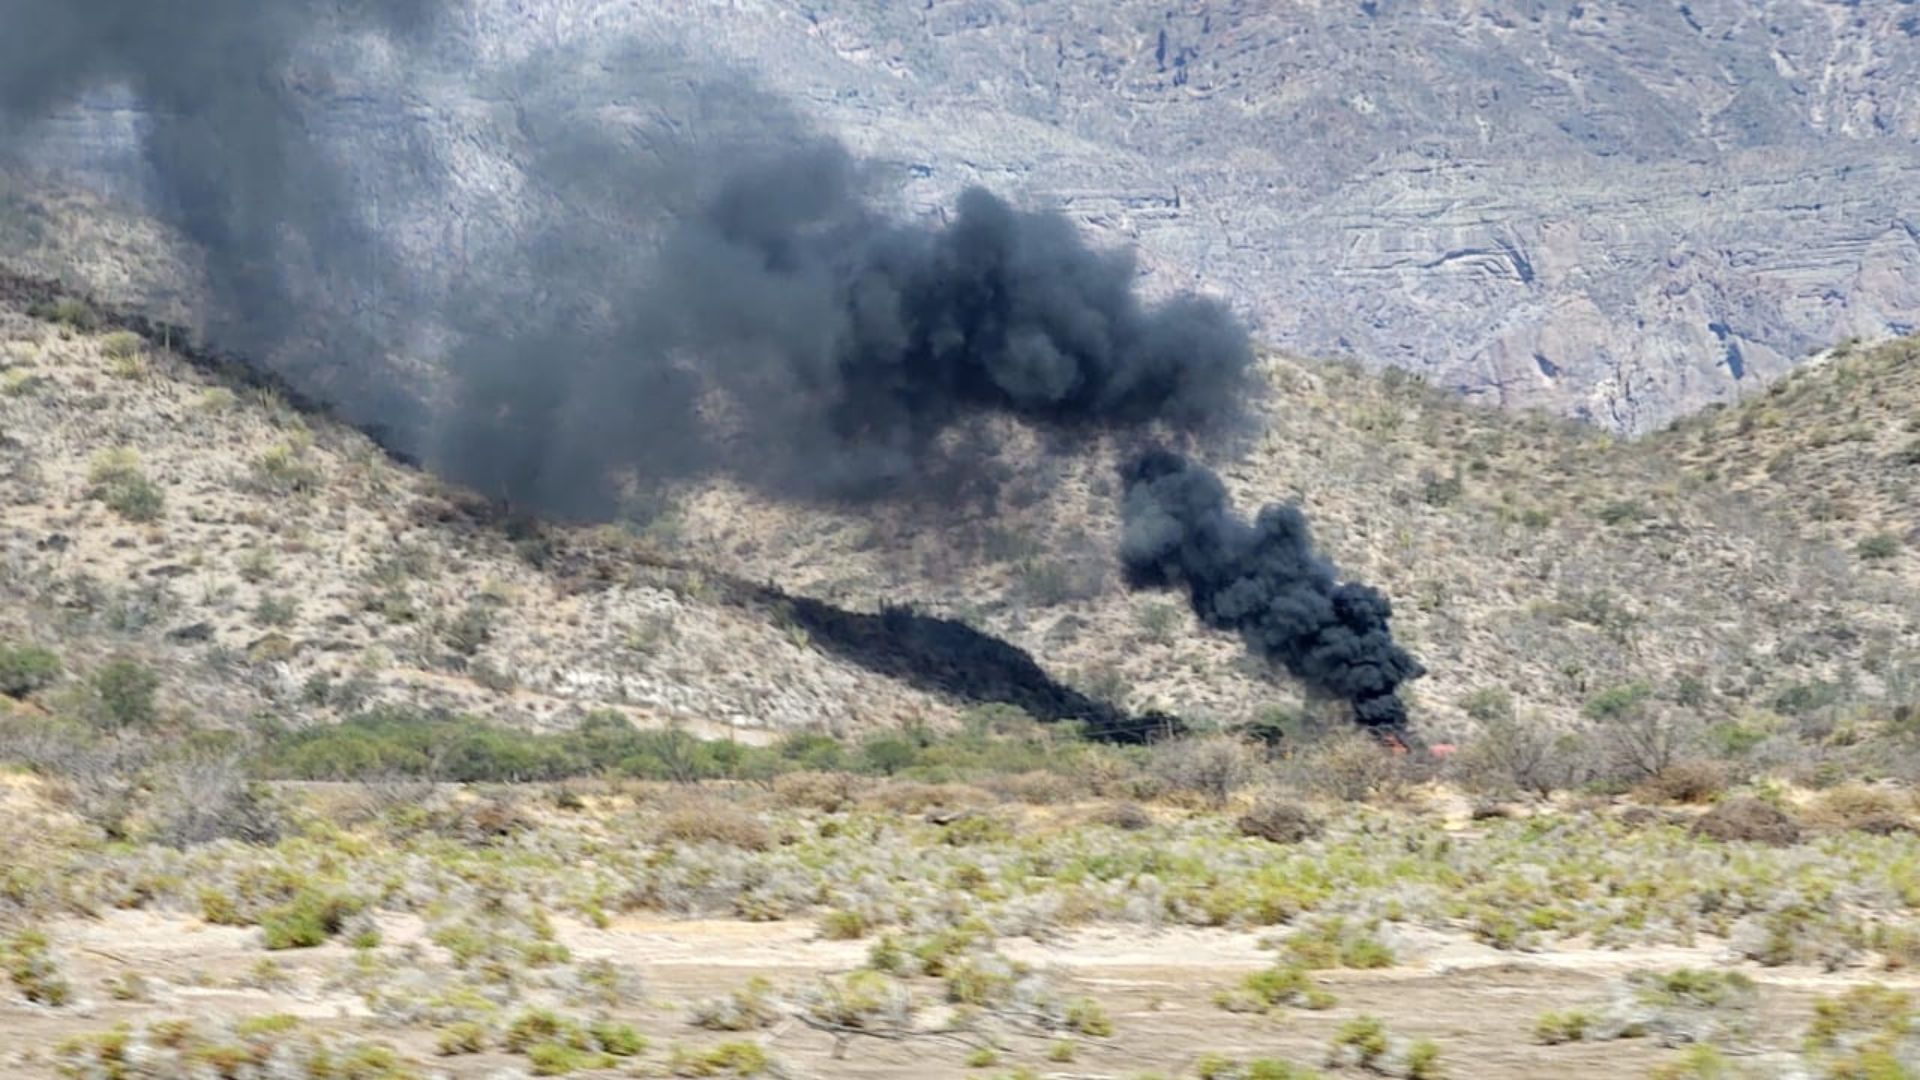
(726, 1059)
(69, 312)
(30, 966)
(1553, 1028)
(1878, 546)
(310, 919)
(620, 1040)
(1088, 1018)
(462, 1038)
(26, 669)
(559, 1059)
(843, 926)
(1276, 986)
(276, 610)
(1423, 1060)
(1365, 1036)
(1618, 702)
(122, 692)
(1862, 1009)
(116, 480)
(284, 470)
(121, 345)
(1705, 1062)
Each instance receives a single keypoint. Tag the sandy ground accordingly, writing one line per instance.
(1478, 1004)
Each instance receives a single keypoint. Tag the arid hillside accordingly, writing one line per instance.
(1835, 450)
(277, 563)
(1525, 556)
(274, 565)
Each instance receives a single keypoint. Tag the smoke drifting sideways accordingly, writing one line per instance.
(627, 303)
(1265, 581)
(786, 332)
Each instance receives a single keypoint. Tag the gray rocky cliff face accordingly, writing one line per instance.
(1620, 210)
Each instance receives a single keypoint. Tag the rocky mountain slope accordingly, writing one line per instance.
(1619, 211)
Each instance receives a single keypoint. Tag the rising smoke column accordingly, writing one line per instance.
(620, 262)
(1266, 581)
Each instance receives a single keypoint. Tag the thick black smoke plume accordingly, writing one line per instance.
(600, 298)
(1266, 581)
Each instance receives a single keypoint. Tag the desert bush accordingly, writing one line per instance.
(726, 1059)
(1643, 741)
(470, 630)
(827, 791)
(26, 669)
(98, 779)
(69, 312)
(1085, 1016)
(708, 822)
(1861, 1010)
(204, 798)
(1283, 985)
(1279, 821)
(1878, 546)
(1489, 705)
(971, 828)
(1553, 1028)
(1863, 808)
(116, 480)
(1157, 621)
(1747, 819)
(30, 966)
(310, 919)
(276, 610)
(749, 1008)
(1361, 1041)
(465, 1037)
(1335, 941)
(122, 694)
(1212, 766)
(284, 470)
(844, 925)
(911, 797)
(1695, 780)
(886, 755)
(1349, 766)
(861, 1001)
(1036, 788)
(1128, 816)
(1513, 755)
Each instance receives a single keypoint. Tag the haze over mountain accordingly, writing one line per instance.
(1616, 210)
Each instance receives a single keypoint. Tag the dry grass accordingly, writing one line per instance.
(708, 821)
(1692, 781)
(1748, 820)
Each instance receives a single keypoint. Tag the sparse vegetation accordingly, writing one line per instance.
(116, 480)
(26, 669)
(317, 746)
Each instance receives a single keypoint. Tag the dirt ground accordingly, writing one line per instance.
(1478, 1004)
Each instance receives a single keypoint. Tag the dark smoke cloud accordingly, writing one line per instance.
(1266, 581)
(231, 161)
(684, 278)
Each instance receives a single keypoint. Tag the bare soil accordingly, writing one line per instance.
(1477, 1003)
